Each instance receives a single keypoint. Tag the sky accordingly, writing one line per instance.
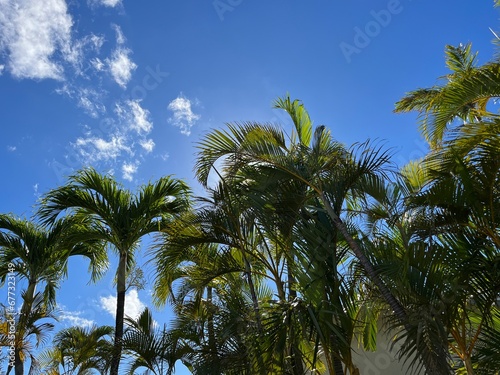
(130, 87)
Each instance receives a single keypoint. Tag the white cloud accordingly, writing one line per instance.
(88, 99)
(135, 117)
(106, 3)
(2, 68)
(75, 53)
(31, 33)
(147, 144)
(120, 38)
(121, 66)
(74, 319)
(183, 116)
(122, 139)
(96, 41)
(11, 148)
(128, 170)
(97, 64)
(92, 149)
(133, 305)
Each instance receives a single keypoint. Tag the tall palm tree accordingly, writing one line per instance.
(459, 189)
(323, 167)
(40, 256)
(121, 218)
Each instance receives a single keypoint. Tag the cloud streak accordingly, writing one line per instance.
(74, 319)
(106, 3)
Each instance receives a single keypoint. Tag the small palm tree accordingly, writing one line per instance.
(36, 323)
(121, 218)
(78, 351)
(148, 346)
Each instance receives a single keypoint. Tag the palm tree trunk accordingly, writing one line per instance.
(19, 369)
(28, 300)
(337, 363)
(256, 308)
(428, 358)
(468, 365)
(253, 293)
(365, 262)
(23, 318)
(212, 343)
(295, 354)
(120, 312)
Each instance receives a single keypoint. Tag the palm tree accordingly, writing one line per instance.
(461, 202)
(121, 219)
(148, 346)
(79, 350)
(34, 324)
(215, 326)
(414, 262)
(459, 186)
(40, 255)
(323, 167)
(466, 96)
(217, 240)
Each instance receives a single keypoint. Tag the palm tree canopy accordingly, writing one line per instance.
(123, 217)
(466, 95)
(40, 253)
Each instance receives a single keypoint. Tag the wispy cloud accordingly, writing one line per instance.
(136, 118)
(182, 114)
(120, 38)
(36, 38)
(74, 319)
(97, 64)
(133, 305)
(35, 190)
(120, 66)
(89, 99)
(147, 145)
(126, 137)
(129, 170)
(39, 40)
(106, 3)
(94, 149)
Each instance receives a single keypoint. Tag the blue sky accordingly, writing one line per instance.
(129, 87)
